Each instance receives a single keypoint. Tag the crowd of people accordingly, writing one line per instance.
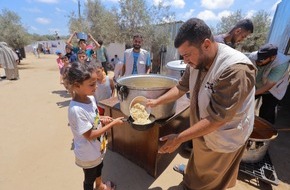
(223, 84)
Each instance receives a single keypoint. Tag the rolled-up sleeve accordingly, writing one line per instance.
(183, 83)
(231, 89)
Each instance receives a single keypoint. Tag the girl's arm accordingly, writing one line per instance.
(93, 134)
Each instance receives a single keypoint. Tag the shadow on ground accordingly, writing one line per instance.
(62, 93)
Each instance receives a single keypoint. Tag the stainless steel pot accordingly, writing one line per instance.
(175, 68)
(150, 86)
(259, 141)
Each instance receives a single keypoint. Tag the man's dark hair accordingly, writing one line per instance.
(195, 31)
(245, 24)
(137, 36)
(100, 42)
(81, 40)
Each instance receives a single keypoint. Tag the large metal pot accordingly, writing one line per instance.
(150, 86)
(176, 68)
(259, 141)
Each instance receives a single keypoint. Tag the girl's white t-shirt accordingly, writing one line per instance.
(83, 117)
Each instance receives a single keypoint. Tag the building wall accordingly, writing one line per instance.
(280, 29)
(115, 49)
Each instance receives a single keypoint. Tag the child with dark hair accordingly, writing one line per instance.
(88, 127)
(59, 64)
(82, 44)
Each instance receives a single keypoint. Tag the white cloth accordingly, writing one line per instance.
(8, 60)
(103, 91)
(118, 69)
(141, 62)
(83, 117)
(233, 134)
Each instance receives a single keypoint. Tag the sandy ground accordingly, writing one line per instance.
(36, 142)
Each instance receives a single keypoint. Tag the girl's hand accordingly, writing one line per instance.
(118, 120)
(106, 120)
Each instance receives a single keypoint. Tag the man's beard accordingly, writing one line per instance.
(202, 62)
(233, 43)
(136, 47)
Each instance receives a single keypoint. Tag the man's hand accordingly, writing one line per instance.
(152, 103)
(170, 145)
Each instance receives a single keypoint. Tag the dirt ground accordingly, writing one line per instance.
(36, 142)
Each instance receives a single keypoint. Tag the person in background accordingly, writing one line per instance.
(115, 60)
(105, 87)
(272, 78)
(94, 59)
(82, 57)
(72, 57)
(87, 126)
(103, 56)
(66, 65)
(9, 61)
(82, 45)
(221, 81)
(136, 59)
(237, 34)
(59, 64)
(36, 51)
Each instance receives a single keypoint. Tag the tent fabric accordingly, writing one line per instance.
(8, 60)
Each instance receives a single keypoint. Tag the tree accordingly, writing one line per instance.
(103, 24)
(227, 23)
(77, 24)
(11, 30)
(119, 25)
(136, 17)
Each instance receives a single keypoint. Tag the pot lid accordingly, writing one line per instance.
(178, 65)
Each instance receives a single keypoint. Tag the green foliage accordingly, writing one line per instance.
(102, 24)
(11, 30)
(145, 20)
(227, 23)
(119, 25)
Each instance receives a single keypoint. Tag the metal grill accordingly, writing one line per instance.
(263, 170)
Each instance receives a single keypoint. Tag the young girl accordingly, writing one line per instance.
(66, 65)
(59, 64)
(105, 86)
(87, 126)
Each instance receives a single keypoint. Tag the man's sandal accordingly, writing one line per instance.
(179, 168)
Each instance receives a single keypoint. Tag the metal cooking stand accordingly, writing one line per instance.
(263, 170)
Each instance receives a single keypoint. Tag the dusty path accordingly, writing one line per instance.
(35, 141)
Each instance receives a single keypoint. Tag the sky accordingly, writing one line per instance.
(51, 16)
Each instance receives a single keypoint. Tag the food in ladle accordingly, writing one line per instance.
(139, 114)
